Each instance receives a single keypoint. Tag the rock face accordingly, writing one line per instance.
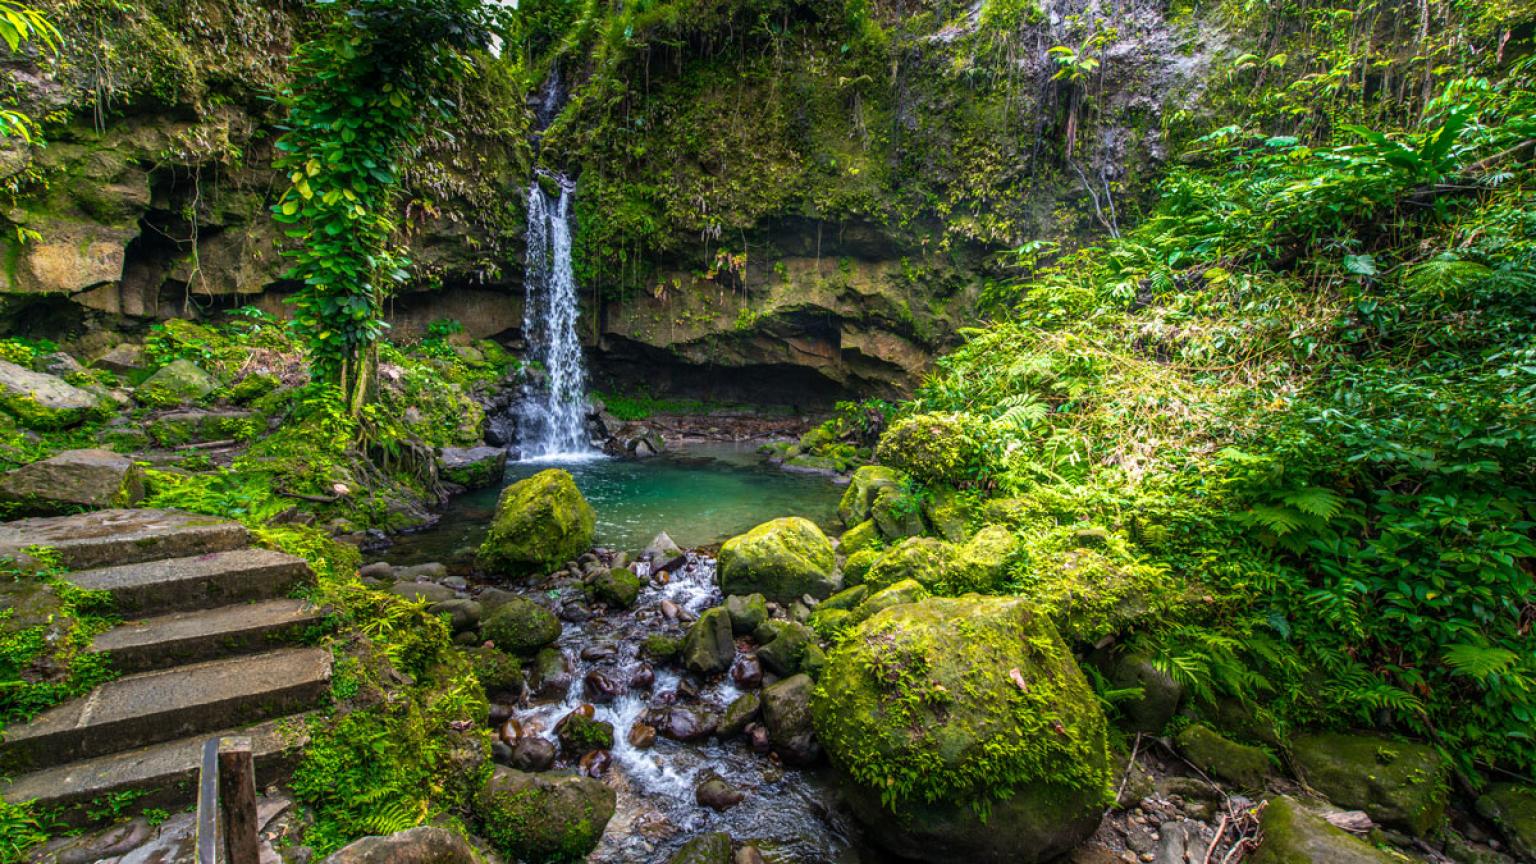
(1513, 809)
(473, 467)
(43, 401)
(1294, 836)
(74, 480)
(540, 523)
(424, 845)
(543, 817)
(782, 560)
(937, 719)
(1400, 784)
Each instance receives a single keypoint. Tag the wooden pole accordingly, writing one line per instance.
(208, 804)
(237, 801)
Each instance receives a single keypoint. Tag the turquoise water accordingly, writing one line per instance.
(700, 495)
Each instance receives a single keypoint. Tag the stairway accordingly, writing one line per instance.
(209, 646)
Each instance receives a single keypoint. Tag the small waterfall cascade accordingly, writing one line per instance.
(554, 415)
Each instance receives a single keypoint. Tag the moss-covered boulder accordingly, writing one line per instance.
(1513, 809)
(864, 535)
(1292, 835)
(1223, 758)
(950, 513)
(905, 591)
(856, 568)
(540, 523)
(521, 626)
(933, 449)
(705, 849)
(1400, 784)
(708, 648)
(782, 654)
(863, 485)
(897, 513)
(618, 587)
(787, 714)
(921, 559)
(981, 564)
(539, 818)
(197, 425)
(747, 612)
(499, 673)
(781, 560)
(943, 709)
(71, 481)
(175, 383)
(41, 401)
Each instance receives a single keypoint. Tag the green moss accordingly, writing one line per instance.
(540, 523)
(659, 646)
(497, 671)
(617, 587)
(543, 820)
(1401, 784)
(782, 560)
(520, 626)
(1228, 760)
(933, 449)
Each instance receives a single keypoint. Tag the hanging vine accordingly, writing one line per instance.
(363, 92)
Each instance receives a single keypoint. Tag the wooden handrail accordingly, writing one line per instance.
(226, 804)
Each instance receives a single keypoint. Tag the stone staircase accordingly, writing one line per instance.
(208, 647)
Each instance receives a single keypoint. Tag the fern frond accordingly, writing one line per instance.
(1478, 661)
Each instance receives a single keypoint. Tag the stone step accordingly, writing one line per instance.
(105, 537)
(198, 582)
(206, 634)
(164, 775)
(167, 704)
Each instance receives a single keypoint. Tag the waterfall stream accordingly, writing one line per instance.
(553, 418)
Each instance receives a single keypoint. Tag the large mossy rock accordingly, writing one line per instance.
(473, 467)
(938, 709)
(1513, 809)
(72, 481)
(42, 401)
(781, 560)
(540, 523)
(709, 648)
(905, 591)
(923, 560)
(175, 383)
(423, 845)
(521, 626)
(863, 486)
(1227, 760)
(933, 449)
(897, 514)
(539, 818)
(1399, 784)
(1294, 836)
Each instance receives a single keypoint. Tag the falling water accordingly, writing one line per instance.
(553, 421)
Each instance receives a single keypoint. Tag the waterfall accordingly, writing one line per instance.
(553, 421)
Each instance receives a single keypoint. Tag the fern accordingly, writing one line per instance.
(1479, 662)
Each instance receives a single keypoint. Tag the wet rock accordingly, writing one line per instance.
(617, 588)
(659, 646)
(603, 687)
(579, 732)
(380, 570)
(473, 467)
(491, 599)
(683, 722)
(663, 555)
(552, 674)
(500, 712)
(670, 611)
(781, 560)
(462, 614)
(1513, 810)
(521, 626)
(749, 855)
(599, 651)
(759, 738)
(787, 713)
(432, 571)
(743, 710)
(643, 677)
(1400, 784)
(71, 481)
(1292, 835)
(709, 647)
(705, 849)
(540, 522)
(423, 845)
(717, 794)
(531, 753)
(501, 753)
(428, 591)
(1225, 759)
(540, 817)
(595, 763)
(747, 613)
(642, 736)
(747, 672)
(784, 652)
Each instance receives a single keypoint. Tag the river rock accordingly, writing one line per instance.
(1224, 758)
(718, 795)
(787, 714)
(903, 592)
(174, 383)
(864, 484)
(743, 710)
(72, 480)
(552, 674)
(595, 763)
(682, 722)
(1292, 835)
(786, 647)
(1399, 784)
(540, 522)
(617, 588)
(499, 673)
(473, 467)
(462, 614)
(543, 817)
(532, 753)
(602, 687)
(749, 855)
(747, 672)
(642, 736)
(709, 648)
(663, 555)
(521, 626)
(422, 845)
(642, 677)
(42, 401)
(1513, 810)
(781, 560)
(747, 613)
(705, 849)
(579, 732)
(1005, 693)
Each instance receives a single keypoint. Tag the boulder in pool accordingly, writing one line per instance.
(521, 626)
(543, 817)
(939, 710)
(540, 523)
(782, 560)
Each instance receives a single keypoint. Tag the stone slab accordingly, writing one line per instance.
(109, 537)
(197, 582)
(190, 637)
